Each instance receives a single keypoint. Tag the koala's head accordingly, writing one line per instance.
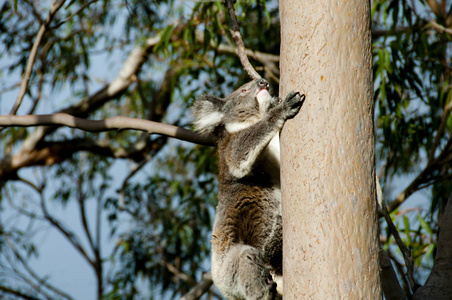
(244, 107)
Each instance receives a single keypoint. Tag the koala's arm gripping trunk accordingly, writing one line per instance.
(245, 146)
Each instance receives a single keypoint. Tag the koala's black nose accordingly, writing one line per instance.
(262, 83)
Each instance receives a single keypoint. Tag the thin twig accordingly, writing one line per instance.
(424, 177)
(35, 12)
(42, 282)
(70, 236)
(74, 14)
(17, 293)
(33, 53)
(122, 202)
(81, 202)
(39, 94)
(200, 289)
(31, 184)
(235, 32)
(400, 270)
(405, 251)
(270, 61)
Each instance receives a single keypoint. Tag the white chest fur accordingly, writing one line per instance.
(273, 148)
(272, 156)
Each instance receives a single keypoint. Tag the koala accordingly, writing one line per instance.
(247, 231)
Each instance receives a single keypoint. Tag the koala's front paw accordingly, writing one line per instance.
(272, 287)
(293, 103)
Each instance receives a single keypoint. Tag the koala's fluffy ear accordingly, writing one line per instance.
(207, 113)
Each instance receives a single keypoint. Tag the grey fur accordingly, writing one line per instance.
(247, 232)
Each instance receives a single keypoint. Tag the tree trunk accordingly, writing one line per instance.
(328, 152)
(439, 284)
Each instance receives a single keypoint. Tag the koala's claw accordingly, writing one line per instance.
(294, 101)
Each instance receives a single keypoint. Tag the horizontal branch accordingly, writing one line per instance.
(433, 24)
(114, 123)
(376, 33)
(126, 76)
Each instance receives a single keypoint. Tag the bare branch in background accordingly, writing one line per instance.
(406, 253)
(425, 177)
(122, 202)
(200, 289)
(68, 234)
(30, 275)
(52, 152)
(126, 76)
(235, 32)
(270, 61)
(376, 33)
(56, 5)
(439, 27)
(16, 293)
(74, 14)
(36, 99)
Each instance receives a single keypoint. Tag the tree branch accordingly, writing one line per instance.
(81, 203)
(113, 123)
(49, 153)
(405, 251)
(425, 176)
(119, 85)
(122, 202)
(389, 281)
(74, 14)
(17, 293)
(33, 53)
(69, 235)
(235, 32)
(400, 269)
(200, 289)
(30, 277)
(376, 33)
(438, 284)
(439, 27)
(269, 61)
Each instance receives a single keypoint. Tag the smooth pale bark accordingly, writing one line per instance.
(328, 154)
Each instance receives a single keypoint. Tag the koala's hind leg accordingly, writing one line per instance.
(243, 275)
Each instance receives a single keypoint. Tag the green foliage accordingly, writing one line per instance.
(171, 213)
(412, 91)
(160, 215)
